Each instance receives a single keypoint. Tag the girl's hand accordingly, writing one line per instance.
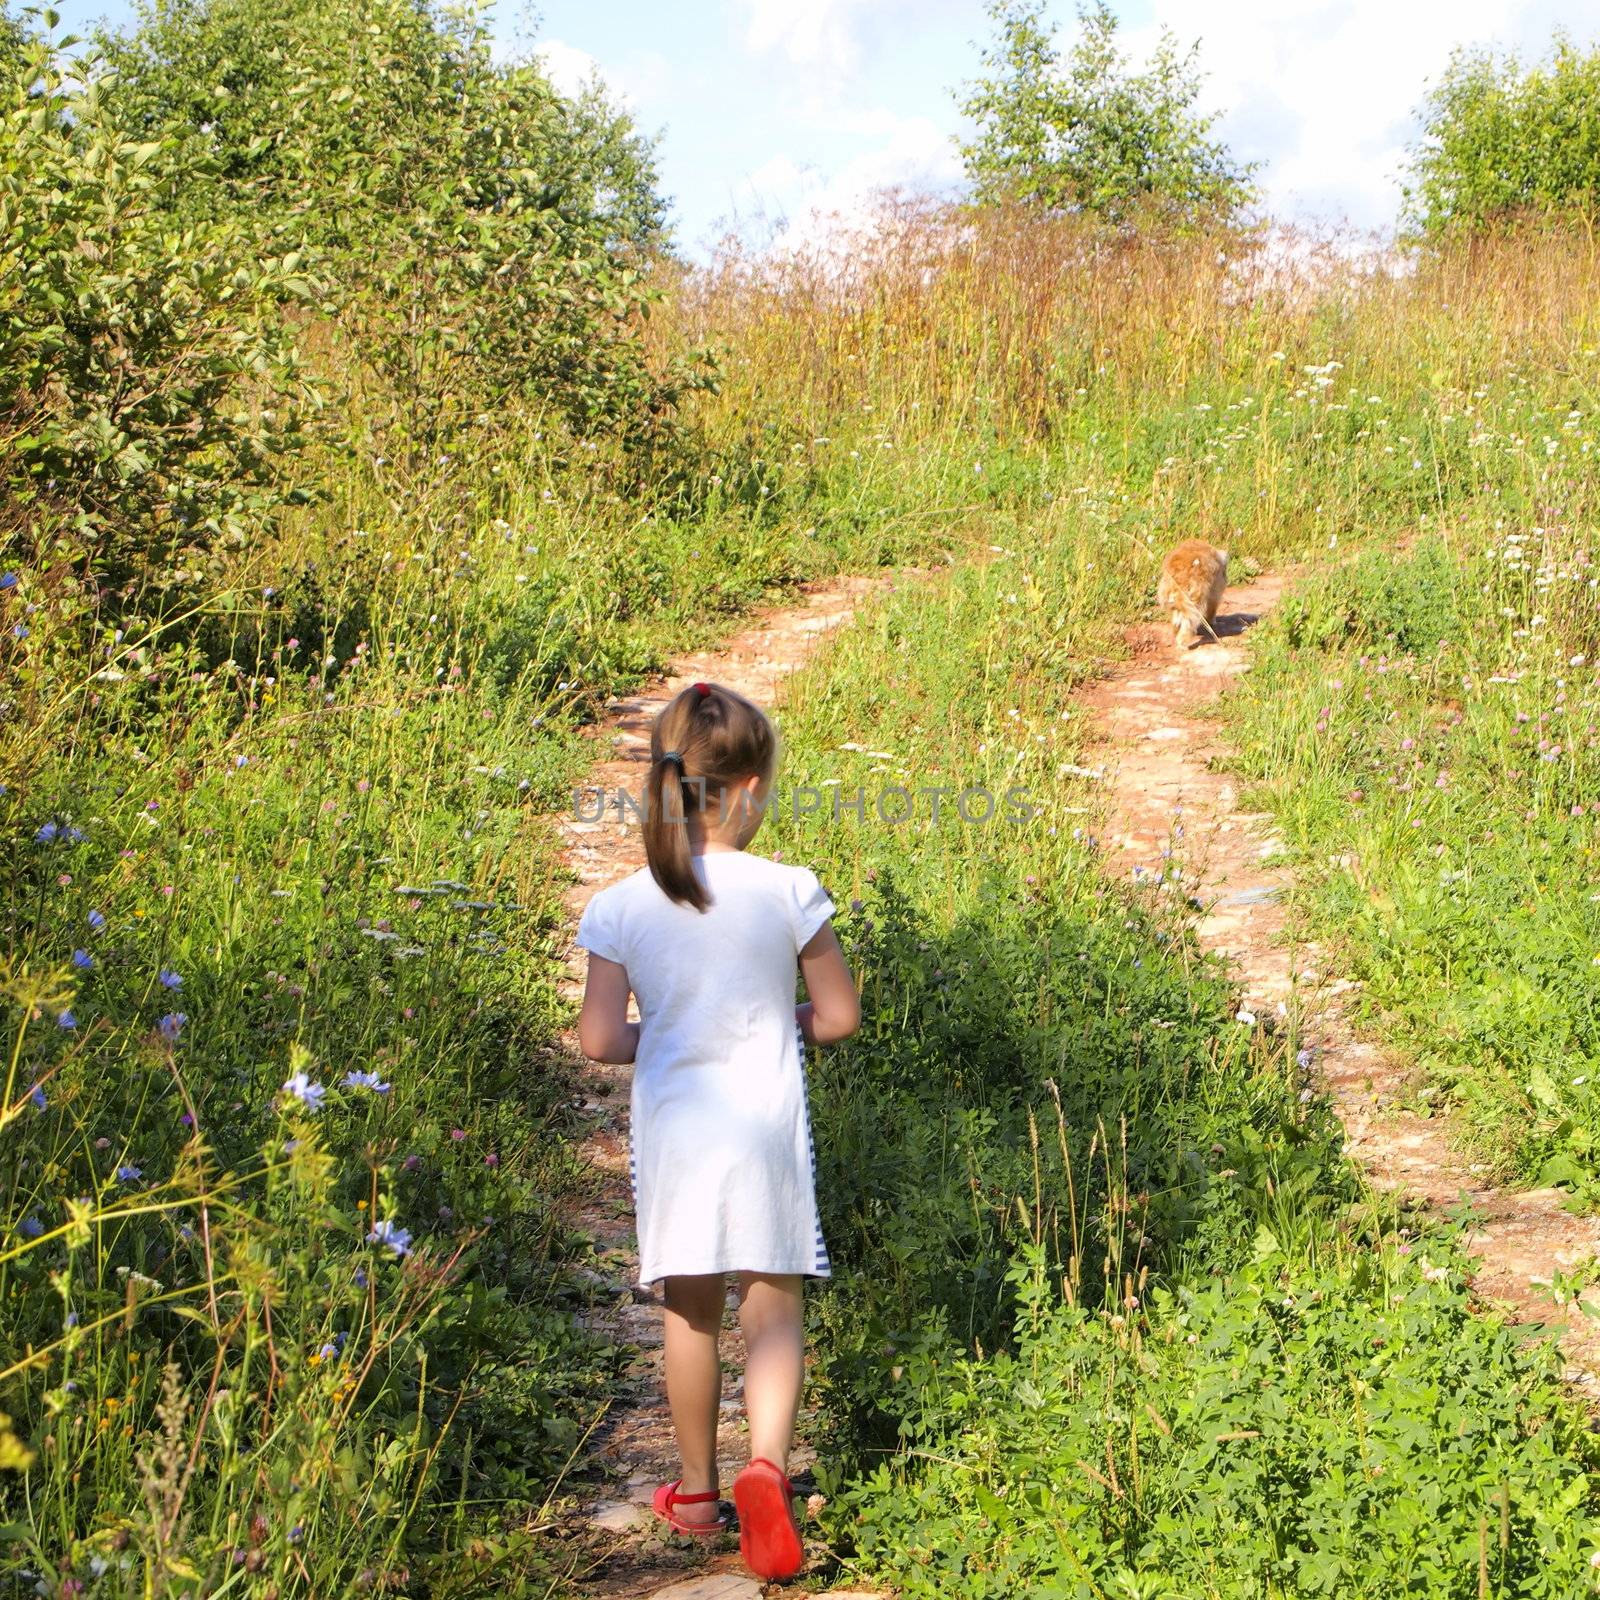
(604, 1032)
(834, 1010)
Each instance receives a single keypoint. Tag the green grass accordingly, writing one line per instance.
(349, 864)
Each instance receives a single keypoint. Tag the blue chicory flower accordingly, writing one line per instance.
(66, 1020)
(170, 979)
(172, 1024)
(30, 1227)
(309, 1094)
(36, 1094)
(129, 1174)
(96, 921)
(366, 1080)
(82, 960)
(47, 834)
(392, 1235)
(8, 580)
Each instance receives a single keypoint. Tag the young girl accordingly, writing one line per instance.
(709, 940)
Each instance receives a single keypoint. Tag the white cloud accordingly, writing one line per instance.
(1325, 94)
(819, 34)
(568, 68)
(834, 38)
(802, 206)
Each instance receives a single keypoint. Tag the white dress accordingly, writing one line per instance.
(722, 1162)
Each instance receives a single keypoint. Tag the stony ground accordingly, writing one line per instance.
(1166, 764)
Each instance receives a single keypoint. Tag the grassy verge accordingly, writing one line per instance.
(304, 836)
(282, 1286)
(1112, 1314)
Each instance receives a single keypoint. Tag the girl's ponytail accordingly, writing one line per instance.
(666, 830)
(706, 739)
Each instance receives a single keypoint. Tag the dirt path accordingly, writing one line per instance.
(1161, 742)
(628, 1554)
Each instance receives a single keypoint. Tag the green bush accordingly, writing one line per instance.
(1346, 1429)
(481, 239)
(1089, 134)
(1503, 141)
(150, 399)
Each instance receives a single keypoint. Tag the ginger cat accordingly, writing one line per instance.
(1192, 580)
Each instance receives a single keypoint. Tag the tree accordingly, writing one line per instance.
(1501, 141)
(150, 396)
(481, 237)
(1092, 134)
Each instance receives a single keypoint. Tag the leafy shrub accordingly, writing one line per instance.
(150, 402)
(1348, 1429)
(1503, 141)
(1090, 134)
(482, 238)
(1406, 606)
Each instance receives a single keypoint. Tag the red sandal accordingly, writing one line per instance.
(667, 1497)
(769, 1537)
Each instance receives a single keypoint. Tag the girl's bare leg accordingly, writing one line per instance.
(694, 1382)
(771, 1312)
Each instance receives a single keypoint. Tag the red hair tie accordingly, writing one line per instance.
(702, 689)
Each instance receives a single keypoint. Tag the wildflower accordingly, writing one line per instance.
(491, 1160)
(82, 960)
(66, 1020)
(30, 1227)
(391, 1235)
(366, 1080)
(458, 1134)
(329, 1352)
(1248, 1018)
(1303, 1059)
(309, 1094)
(36, 1094)
(96, 922)
(172, 1024)
(411, 1163)
(47, 834)
(20, 631)
(8, 580)
(170, 979)
(129, 1174)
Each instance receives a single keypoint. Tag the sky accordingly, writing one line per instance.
(778, 119)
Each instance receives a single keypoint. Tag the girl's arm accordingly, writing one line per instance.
(834, 1010)
(604, 1032)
